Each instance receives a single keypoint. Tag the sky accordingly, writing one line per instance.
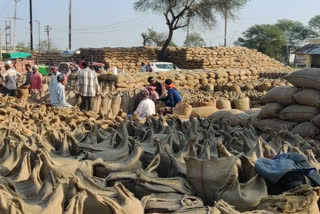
(115, 23)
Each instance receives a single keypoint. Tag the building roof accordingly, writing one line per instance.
(310, 49)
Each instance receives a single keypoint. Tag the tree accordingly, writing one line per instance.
(194, 40)
(178, 14)
(44, 46)
(228, 9)
(295, 34)
(267, 39)
(153, 38)
(314, 24)
(22, 47)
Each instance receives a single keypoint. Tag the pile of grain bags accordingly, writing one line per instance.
(296, 107)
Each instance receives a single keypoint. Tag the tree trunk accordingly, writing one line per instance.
(163, 55)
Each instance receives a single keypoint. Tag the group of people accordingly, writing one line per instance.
(157, 92)
(10, 77)
(87, 88)
(146, 68)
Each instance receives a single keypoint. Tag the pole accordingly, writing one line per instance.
(47, 30)
(31, 27)
(6, 31)
(225, 26)
(0, 45)
(70, 5)
(39, 38)
(15, 23)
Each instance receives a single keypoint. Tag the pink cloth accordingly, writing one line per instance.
(36, 81)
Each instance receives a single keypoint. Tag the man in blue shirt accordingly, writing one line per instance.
(172, 99)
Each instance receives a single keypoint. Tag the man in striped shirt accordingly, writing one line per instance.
(87, 86)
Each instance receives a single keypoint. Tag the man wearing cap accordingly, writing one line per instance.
(160, 89)
(87, 86)
(10, 77)
(35, 79)
(58, 94)
(53, 82)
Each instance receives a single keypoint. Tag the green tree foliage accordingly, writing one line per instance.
(230, 8)
(194, 40)
(295, 34)
(267, 39)
(314, 24)
(179, 13)
(153, 38)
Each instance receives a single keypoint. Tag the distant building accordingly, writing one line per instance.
(309, 55)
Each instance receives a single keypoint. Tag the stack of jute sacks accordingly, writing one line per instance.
(130, 59)
(196, 79)
(222, 57)
(295, 107)
(50, 58)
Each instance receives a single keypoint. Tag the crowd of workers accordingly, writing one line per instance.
(87, 88)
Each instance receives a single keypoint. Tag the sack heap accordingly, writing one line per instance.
(55, 161)
(50, 58)
(293, 107)
(222, 57)
(130, 59)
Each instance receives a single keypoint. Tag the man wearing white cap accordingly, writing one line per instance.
(35, 79)
(10, 77)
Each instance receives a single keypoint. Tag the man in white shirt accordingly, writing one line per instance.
(146, 106)
(58, 98)
(53, 82)
(10, 78)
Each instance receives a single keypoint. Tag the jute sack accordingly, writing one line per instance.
(96, 104)
(272, 124)
(309, 97)
(306, 78)
(208, 103)
(235, 88)
(23, 93)
(282, 94)
(306, 129)
(316, 120)
(303, 199)
(183, 109)
(298, 113)
(115, 104)
(212, 186)
(253, 111)
(105, 104)
(242, 104)
(203, 112)
(223, 104)
(270, 110)
(234, 116)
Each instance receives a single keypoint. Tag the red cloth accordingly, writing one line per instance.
(36, 81)
(171, 86)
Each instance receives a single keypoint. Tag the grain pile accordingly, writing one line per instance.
(130, 59)
(50, 58)
(221, 57)
(294, 107)
(61, 161)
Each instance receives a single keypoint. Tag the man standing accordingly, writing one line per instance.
(29, 71)
(35, 80)
(10, 77)
(160, 89)
(87, 86)
(58, 94)
(53, 82)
